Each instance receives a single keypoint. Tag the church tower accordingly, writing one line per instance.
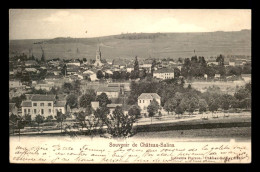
(98, 57)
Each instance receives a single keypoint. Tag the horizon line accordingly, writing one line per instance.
(120, 34)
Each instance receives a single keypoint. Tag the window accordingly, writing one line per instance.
(34, 104)
(29, 110)
(143, 101)
(24, 110)
(42, 104)
(42, 110)
(140, 101)
(49, 104)
(150, 101)
(34, 111)
(49, 110)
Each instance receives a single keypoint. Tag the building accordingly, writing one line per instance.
(111, 92)
(112, 107)
(44, 86)
(30, 63)
(74, 63)
(45, 105)
(15, 84)
(164, 73)
(98, 58)
(145, 99)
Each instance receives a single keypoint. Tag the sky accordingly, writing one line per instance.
(87, 23)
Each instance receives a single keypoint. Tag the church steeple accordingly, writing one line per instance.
(98, 54)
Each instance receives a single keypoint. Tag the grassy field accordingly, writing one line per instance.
(227, 87)
(172, 45)
(221, 134)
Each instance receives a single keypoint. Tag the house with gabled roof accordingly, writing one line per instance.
(44, 105)
(145, 99)
(164, 73)
(111, 92)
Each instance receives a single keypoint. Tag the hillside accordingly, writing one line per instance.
(158, 45)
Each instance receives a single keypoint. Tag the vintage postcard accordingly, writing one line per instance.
(129, 86)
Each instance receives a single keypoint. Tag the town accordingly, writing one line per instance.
(55, 94)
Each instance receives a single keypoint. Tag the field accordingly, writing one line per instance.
(226, 87)
(221, 134)
(166, 45)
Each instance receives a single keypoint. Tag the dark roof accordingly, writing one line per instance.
(26, 104)
(108, 89)
(43, 98)
(113, 105)
(164, 70)
(59, 104)
(149, 96)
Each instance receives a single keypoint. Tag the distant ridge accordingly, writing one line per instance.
(144, 45)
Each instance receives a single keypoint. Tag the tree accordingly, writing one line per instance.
(136, 68)
(213, 105)
(153, 65)
(101, 114)
(76, 87)
(67, 87)
(39, 119)
(220, 60)
(60, 117)
(193, 104)
(170, 105)
(13, 121)
(177, 72)
(72, 101)
(49, 118)
(135, 111)
(179, 110)
(202, 105)
(184, 104)
(118, 124)
(86, 99)
(100, 74)
(103, 99)
(28, 118)
(116, 75)
(18, 100)
(153, 108)
(142, 74)
(64, 70)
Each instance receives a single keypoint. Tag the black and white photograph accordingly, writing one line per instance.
(90, 86)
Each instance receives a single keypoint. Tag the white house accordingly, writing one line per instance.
(145, 99)
(45, 105)
(164, 73)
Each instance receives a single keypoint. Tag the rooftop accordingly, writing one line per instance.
(108, 89)
(26, 104)
(149, 96)
(164, 70)
(43, 98)
(59, 104)
(113, 105)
